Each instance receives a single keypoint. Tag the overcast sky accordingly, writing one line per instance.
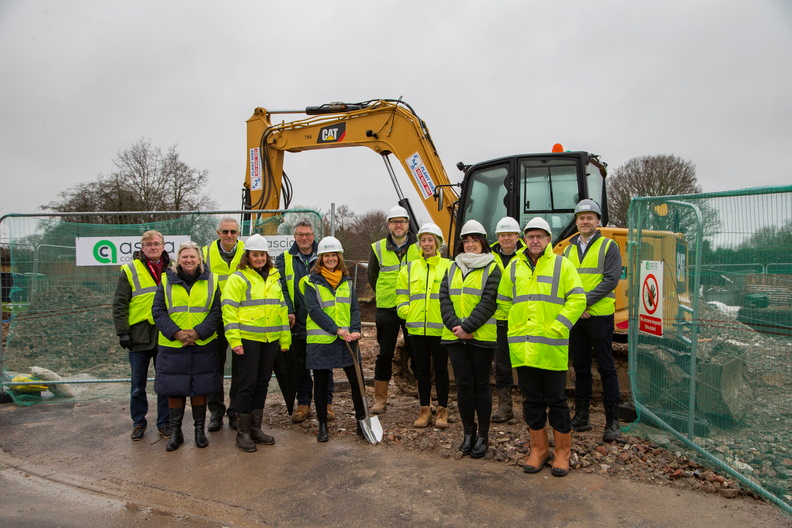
(709, 81)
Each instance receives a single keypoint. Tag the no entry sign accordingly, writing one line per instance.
(650, 311)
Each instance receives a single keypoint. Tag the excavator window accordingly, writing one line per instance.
(548, 188)
(486, 198)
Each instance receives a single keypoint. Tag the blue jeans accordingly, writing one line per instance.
(138, 402)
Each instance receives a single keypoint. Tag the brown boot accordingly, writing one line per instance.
(330, 412)
(424, 417)
(301, 414)
(380, 397)
(540, 451)
(441, 418)
(563, 450)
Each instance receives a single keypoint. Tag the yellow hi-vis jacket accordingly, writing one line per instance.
(254, 309)
(591, 272)
(465, 293)
(188, 309)
(543, 304)
(500, 315)
(143, 289)
(337, 306)
(389, 269)
(418, 295)
(217, 264)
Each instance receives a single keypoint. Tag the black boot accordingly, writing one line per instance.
(215, 420)
(199, 417)
(467, 441)
(243, 440)
(175, 415)
(612, 427)
(323, 435)
(580, 422)
(482, 444)
(256, 434)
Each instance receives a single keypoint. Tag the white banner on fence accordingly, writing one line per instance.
(116, 250)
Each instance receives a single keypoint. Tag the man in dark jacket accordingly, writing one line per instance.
(388, 257)
(293, 265)
(134, 325)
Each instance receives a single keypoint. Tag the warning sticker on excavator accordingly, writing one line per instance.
(255, 170)
(421, 175)
(650, 310)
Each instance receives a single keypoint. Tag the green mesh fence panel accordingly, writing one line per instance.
(710, 341)
(58, 315)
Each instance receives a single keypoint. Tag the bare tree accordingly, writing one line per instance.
(145, 179)
(662, 175)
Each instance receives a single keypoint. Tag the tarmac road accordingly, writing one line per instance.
(74, 465)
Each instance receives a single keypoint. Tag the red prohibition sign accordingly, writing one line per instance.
(650, 294)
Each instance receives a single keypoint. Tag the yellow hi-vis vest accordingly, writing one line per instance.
(143, 289)
(591, 272)
(254, 309)
(390, 266)
(337, 306)
(418, 295)
(188, 310)
(543, 304)
(217, 264)
(465, 293)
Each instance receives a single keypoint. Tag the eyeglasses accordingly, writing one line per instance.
(304, 235)
(229, 231)
(536, 237)
(152, 244)
(398, 222)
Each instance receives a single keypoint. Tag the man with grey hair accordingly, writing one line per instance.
(222, 257)
(293, 265)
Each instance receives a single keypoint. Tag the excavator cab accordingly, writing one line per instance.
(524, 186)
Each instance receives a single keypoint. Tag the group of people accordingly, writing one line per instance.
(514, 303)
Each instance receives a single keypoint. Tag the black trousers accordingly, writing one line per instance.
(429, 351)
(503, 368)
(594, 336)
(216, 401)
(472, 365)
(255, 371)
(388, 324)
(321, 378)
(544, 398)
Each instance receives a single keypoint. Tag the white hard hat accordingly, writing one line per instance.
(588, 206)
(507, 224)
(256, 243)
(329, 245)
(432, 229)
(398, 212)
(473, 227)
(538, 222)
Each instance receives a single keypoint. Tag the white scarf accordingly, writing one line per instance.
(471, 261)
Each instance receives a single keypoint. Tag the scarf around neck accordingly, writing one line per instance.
(333, 277)
(471, 261)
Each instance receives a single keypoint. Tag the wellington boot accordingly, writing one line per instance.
(243, 440)
(441, 418)
(301, 414)
(256, 434)
(380, 397)
(330, 412)
(481, 446)
(580, 422)
(612, 427)
(176, 438)
(323, 435)
(504, 412)
(563, 450)
(540, 451)
(199, 417)
(467, 441)
(424, 417)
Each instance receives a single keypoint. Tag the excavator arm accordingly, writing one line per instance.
(385, 126)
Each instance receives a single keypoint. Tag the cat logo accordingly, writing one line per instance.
(332, 134)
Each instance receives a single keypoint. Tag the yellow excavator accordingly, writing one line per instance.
(521, 186)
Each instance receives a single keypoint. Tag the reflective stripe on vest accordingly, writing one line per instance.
(591, 271)
(217, 264)
(390, 265)
(421, 296)
(259, 308)
(143, 289)
(188, 309)
(338, 307)
(465, 296)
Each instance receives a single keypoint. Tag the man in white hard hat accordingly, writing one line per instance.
(542, 294)
(388, 257)
(598, 261)
(508, 244)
